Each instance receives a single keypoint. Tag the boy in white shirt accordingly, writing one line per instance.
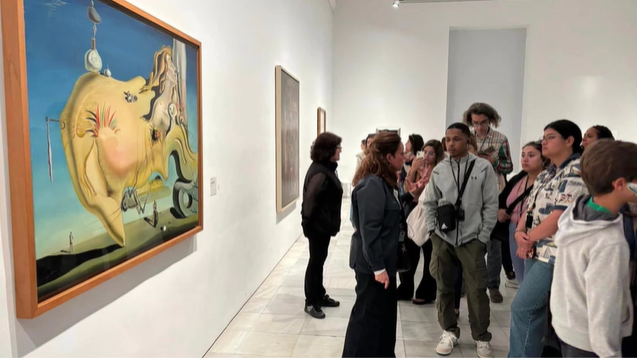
(591, 302)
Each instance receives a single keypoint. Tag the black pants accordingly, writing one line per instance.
(570, 351)
(427, 288)
(373, 322)
(313, 286)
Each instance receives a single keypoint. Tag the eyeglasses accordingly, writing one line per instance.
(339, 147)
(480, 124)
(549, 138)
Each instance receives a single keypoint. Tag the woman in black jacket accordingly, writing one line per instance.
(379, 223)
(321, 217)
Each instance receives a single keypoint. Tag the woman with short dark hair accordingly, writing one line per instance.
(321, 217)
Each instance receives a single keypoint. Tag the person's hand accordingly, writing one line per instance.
(426, 173)
(417, 164)
(383, 278)
(524, 244)
(489, 158)
(416, 188)
(502, 216)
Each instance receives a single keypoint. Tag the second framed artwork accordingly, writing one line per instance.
(287, 138)
(321, 120)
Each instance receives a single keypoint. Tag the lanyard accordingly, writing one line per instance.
(457, 180)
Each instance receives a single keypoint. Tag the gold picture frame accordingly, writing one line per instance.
(321, 120)
(287, 106)
(125, 236)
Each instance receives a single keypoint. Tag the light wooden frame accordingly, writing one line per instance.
(20, 171)
(321, 120)
(281, 206)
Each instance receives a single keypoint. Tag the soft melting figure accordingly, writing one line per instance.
(113, 144)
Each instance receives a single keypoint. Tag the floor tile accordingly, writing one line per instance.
(414, 313)
(502, 318)
(329, 326)
(318, 346)
(268, 344)
(285, 304)
(244, 320)
(423, 332)
(283, 324)
(229, 341)
(265, 292)
(255, 305)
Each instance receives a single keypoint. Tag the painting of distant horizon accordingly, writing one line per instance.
(114, 130)
(287, 129)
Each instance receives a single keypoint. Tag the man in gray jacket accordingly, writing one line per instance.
(474, 217)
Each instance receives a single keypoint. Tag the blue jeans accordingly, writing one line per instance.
(529, 310)
(517, 262)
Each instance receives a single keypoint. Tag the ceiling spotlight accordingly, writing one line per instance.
(396, 4)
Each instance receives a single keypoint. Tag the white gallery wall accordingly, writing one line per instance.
(488, 66)
(177, 303)
(391, 65)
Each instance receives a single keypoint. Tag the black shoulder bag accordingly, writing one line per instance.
(501, 231)
(448, 214)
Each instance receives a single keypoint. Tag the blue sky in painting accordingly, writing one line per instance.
(58, 34)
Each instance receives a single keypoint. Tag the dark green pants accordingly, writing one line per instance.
(471, 257)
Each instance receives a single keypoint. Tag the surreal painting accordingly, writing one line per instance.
(113, 116)
(287, 132)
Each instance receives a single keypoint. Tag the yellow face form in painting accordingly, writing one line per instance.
(117, 134)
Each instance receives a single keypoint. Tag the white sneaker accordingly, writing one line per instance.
(484, 349)
(447, 342)
(511, 283)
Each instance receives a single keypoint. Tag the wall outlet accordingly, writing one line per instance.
(213, 186)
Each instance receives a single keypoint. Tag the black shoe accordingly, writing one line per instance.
(315, 312)
(329, 302)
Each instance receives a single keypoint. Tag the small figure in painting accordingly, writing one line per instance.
(153, 222)
(70, 249)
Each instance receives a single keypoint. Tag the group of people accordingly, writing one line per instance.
(563, 230)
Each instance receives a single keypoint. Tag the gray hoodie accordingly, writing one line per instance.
(480, 200)
(591, 301)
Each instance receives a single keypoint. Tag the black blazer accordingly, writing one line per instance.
(322, 196)
(377, 215)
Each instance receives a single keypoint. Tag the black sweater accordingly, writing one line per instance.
(322, 195)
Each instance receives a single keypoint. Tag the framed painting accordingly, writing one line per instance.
(321, 120)
(104, 140)
(287, 138)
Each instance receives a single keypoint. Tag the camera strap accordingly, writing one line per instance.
(468, 171)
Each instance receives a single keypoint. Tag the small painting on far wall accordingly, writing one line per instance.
(321, 120)
(287, 141)
(390, 129)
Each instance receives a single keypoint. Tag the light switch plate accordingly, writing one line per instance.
(213, 186)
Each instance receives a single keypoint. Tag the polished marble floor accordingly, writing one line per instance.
(272, 323)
